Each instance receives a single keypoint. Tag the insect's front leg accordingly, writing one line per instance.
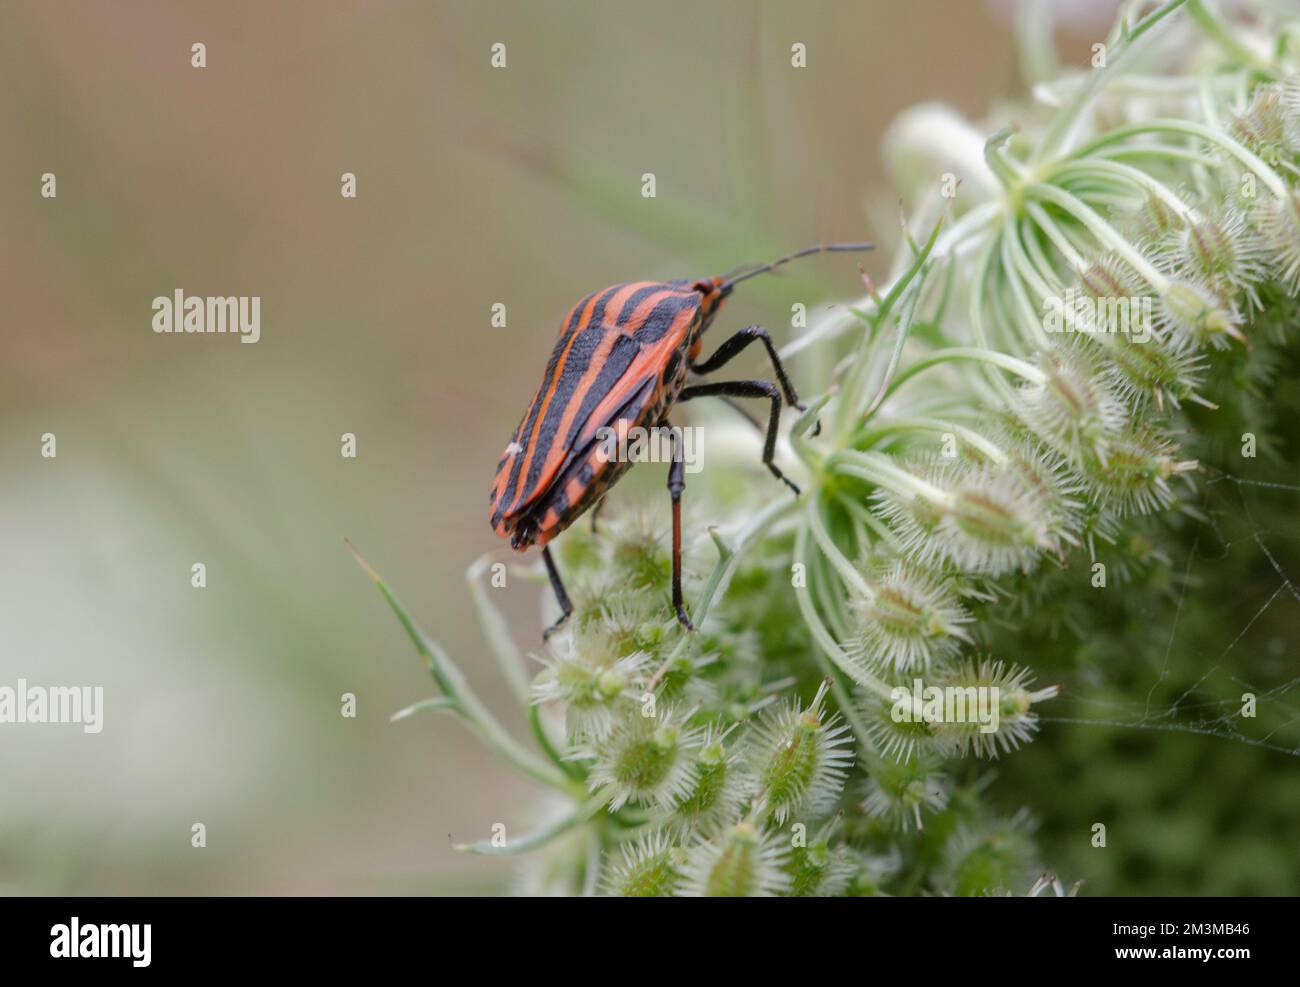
(561, 597)
(735, 344)
(749, 389)
(676, 484)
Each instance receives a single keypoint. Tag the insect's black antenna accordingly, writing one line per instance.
(741, 269)
(819, 249)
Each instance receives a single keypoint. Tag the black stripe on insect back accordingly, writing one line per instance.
(580, 354)
(661, 317)
(530, 418)
(557, 496)
(576, 315)
(507, 495)
(620, 357)
(571, 374)
(598, 311)
(633, 303)
(616, 363)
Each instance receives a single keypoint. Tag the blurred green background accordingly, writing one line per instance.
(475, 186)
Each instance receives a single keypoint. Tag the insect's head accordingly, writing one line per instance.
(712, 292)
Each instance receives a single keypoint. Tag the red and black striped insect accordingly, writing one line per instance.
(622, 360)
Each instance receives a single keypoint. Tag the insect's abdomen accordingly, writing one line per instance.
(619, 362)
(582, 485)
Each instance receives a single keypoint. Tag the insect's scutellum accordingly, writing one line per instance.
(622, 361)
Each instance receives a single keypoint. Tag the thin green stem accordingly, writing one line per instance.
(830, 658)
(994, 358)
(1067, 119)
(847, 570)
(1043, 220)
(1135, 177)
(1018, 272)
(1218, 32)
(547, 745)
(1105, 234)
(1189, 128)
(454, 685)
(880, 470)
(967, 435)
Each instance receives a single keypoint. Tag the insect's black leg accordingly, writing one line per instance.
(561, 596)
(748, 389)
(676, 484)
(596, 508)
(732, 346)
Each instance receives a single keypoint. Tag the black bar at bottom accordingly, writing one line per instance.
(927, 937)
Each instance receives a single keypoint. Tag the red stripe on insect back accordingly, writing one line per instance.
(615, 352)
(641, 376)
(664, 316)
(562, 501)
(524, 442)
(570, 323)
(583, 370)
(585, 479)
(634, 319)
(574, 394)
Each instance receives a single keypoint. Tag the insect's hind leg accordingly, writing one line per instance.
(749, 389)
(677, 484)
(561, 596)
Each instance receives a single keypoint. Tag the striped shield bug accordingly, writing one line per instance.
(622, 361)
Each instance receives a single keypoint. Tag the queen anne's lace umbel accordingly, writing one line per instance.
(1011, 399)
